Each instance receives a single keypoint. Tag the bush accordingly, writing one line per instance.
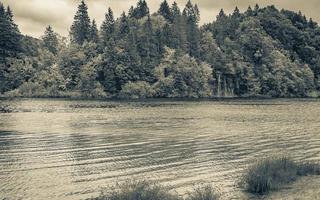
(136, 90)
(203, 193)
(140, 190)
(272, 173)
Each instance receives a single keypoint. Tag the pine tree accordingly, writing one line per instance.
(107, 69)
(141, 10)
(93, 34)
(165, 11)
(50, 40)
(249, 11)
(124, 25)
(178, 32)
(192, 17)
(148, 50)
(236, 13)
(108, 27)
(9, 34)
(80, 29)
(221, 15)
(256, 10)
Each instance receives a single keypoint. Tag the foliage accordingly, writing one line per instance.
(182, 77)
(136, 90)
(9, 34)
(260, 52)
(80, 29)
(50, 40)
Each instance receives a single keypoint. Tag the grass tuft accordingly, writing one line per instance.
(138, 190)
(273, 173)
(203, 193)
(146, 190)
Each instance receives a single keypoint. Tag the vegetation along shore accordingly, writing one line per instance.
(259, 52)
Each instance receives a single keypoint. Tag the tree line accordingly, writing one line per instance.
(260, 52)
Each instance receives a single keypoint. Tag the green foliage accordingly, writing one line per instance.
(107, 29)
(89, 86)
(50, 40)
(273, 173)
(9, 34)
(136, 90)
(141, 10)
(165, 11)
(80, 29)
(192, 16)
(182, 76)
(93, 32)
(261, 52)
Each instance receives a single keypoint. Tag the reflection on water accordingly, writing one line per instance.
(60, 149)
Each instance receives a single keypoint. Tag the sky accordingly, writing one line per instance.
(32, 16)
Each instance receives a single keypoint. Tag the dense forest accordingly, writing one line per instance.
(261, 52)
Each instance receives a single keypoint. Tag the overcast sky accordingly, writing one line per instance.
(33, 16)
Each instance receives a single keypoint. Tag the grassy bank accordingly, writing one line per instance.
(272, 174)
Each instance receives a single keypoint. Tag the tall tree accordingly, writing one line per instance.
(108, 27)
(179, 35)
(192, 17)
(9, 34)
(124, 25)
(10, 46)
(93, 34)
(141, 10)
(80, 29)
(165, 11)
(50, 40)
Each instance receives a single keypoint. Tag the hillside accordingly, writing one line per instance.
(261, 52)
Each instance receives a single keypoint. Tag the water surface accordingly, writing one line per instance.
(64, 149)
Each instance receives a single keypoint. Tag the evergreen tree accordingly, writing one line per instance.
(165, 11)
(10, 36)
(50, 40)
(249, 11)
(236, 13)
(221, 15)
(147, 50)
(80, 29)
(179, 29)
(192, 17)
(93, 34)
(141, 10)
(108, 27)
(256, 10)
(107, 68)
(124, 25)
(10, 46)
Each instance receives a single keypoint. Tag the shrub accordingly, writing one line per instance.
(203, 193)
(136, 90)
(140, 190)
(272, 173)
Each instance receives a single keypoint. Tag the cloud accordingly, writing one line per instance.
(33, 16)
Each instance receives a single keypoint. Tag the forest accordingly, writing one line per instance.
(262, 52)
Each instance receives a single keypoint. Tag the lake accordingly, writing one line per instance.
(71, 149)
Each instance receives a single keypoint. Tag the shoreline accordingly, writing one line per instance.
(4, 97)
